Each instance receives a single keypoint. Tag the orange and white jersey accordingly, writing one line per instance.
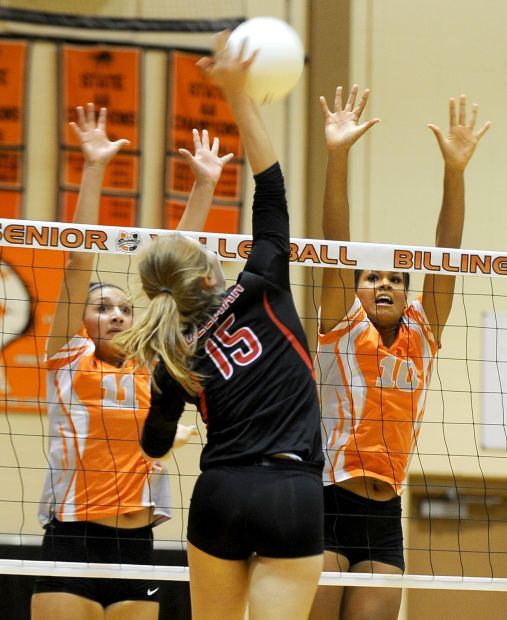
(96, 414)
(373, 396)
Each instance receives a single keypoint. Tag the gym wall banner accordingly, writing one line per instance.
(29, 284)
(109, 77)
(13, 73)
(194, 102)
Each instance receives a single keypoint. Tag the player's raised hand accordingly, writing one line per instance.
(205, 163)
(91, 133)
(228, 70)
(341, 126)
(459, 145)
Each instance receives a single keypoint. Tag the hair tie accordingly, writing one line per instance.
(163, 289)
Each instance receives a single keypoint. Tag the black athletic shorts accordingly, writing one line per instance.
(83, 541)
(361, 529)
(272, 510)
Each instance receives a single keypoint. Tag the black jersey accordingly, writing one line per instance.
(258, 389)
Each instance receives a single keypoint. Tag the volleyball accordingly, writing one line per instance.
(280, 57)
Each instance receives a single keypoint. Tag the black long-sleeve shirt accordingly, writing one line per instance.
(259, 395)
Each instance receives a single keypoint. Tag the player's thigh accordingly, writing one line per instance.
(133, 610)
(327, 602)
(62, 606)
(218, 588)
(283, 589)
(372, 603)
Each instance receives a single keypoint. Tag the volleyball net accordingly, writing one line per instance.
(455, 501)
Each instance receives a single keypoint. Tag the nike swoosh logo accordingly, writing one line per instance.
(151, 592)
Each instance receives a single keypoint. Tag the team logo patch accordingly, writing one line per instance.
(128, 242)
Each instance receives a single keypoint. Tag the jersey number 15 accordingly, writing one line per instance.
(229, 349)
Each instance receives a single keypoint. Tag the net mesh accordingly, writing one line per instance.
(455, 506)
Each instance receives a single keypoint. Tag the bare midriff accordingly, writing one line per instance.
(371, 488)
(129, 520)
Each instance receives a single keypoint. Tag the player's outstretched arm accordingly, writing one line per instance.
(207, 166)
(98, 151)
(342, 129)
(230, 71)
(457, 149)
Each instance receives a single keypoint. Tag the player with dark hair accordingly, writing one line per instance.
(374, 361)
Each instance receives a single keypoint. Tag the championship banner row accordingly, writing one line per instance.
(112, 77)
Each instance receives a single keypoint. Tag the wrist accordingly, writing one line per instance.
(205, 183)
(338, 153)
(94, 166)
(236, 95)
(453, 170)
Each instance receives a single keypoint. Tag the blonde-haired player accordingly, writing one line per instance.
(374, 360)
(101, 497)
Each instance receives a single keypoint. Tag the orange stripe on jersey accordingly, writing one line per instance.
(372, 396)
(96, 412)
(350, 322)
(65, 357)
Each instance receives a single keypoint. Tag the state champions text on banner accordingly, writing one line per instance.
(194, 102)
(108, 77)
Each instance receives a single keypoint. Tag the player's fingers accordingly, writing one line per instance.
(462, 110)
(352, 98)
(220, 41)
(452, 112)
(75, 129)
(90, 114)
(101, 123)
(438, 134)
(473, 118)
(324, 106)
(196, 139)
(81, 119)
(483, 130)
(248, 61)
(187, 155)
(205, 139)
(363, 128)
(227, 158)
(121, 143)
(338, 99)
(205, 64)
(364, 99)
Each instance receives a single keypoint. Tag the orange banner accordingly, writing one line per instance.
(109, 77)
(12, 96)
(121, 210)
(30, 280)
(197, 103)
(121, 177)
(221, 218)
(10, 203)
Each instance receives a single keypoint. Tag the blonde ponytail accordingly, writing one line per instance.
(172, 273)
